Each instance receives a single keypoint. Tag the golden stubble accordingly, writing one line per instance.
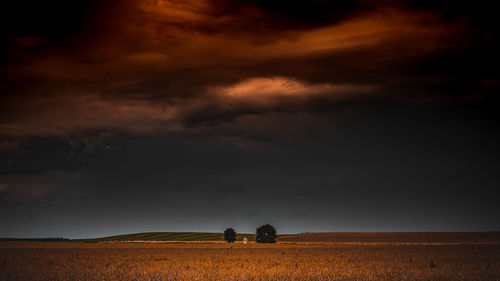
(220, 261)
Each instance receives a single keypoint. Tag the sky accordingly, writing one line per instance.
(196, 115)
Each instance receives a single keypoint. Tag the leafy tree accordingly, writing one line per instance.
(266, 234)
(229, 235)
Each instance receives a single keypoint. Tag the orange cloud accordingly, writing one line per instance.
(63, 114)
(270, 90)
(158, 64)
(175, 35)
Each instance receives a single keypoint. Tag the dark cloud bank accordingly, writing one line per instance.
(130, 116)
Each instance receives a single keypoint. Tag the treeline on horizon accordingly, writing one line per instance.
(48, 239)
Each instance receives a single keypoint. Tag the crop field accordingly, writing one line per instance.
(397, 237)
(170, 236)
(285, 260)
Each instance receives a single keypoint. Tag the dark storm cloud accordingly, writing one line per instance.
(41, 155)
(258, 18)
(350, 110)
(167, 76)
(154, 66)
(28, 26)
(363, 177)
(53, 19)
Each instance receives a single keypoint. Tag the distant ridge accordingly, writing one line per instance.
(417, 237)
(169, 236)
(145, 236)
(48, 239)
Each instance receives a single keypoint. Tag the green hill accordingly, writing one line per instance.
(170, 236)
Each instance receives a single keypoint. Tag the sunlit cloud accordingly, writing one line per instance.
(92, 112)
(272, 90)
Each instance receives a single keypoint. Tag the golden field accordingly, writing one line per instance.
(291, 260)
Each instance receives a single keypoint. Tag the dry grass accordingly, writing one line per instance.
(401, 237)
(217, 261)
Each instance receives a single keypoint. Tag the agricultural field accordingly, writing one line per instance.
(396, 237)
(169, 236)
(319, 258)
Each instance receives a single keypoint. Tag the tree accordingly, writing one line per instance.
(266, 234)
(229, 235)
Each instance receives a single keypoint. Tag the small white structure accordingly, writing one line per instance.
(245, 240)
